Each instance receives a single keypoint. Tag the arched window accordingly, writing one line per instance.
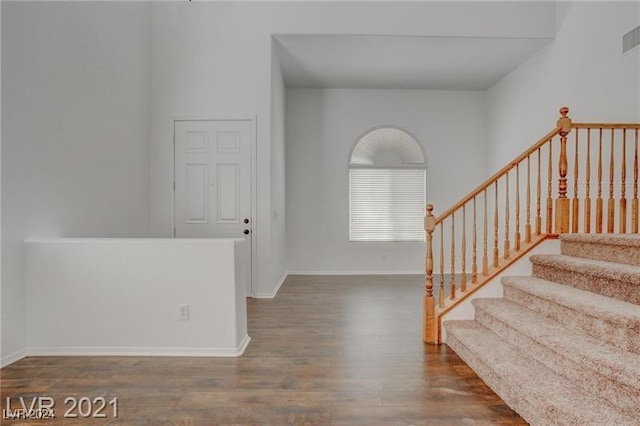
(387, 180)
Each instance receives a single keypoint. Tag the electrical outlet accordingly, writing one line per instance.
(183, 312)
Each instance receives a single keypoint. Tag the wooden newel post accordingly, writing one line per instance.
(430, 325)
(562, 203)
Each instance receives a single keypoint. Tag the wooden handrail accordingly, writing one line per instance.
(605, 126)
(526, 154)
(497, 175)
(563, 210)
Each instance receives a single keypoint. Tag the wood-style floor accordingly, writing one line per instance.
(326, 351)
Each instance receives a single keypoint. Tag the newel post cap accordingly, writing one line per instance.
(564, 122)
(429, 219)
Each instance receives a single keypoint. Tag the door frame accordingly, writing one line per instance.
(252, 119)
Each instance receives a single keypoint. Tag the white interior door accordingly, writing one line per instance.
(212, 171)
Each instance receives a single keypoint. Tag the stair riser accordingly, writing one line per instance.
(500, 386)
(618, 394)
(627, 338)
(616, 288)
(608, 253)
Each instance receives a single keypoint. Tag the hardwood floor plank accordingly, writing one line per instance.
(328, 350)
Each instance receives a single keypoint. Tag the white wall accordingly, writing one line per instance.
(214, 58)
(323, 125)
(583, 69)
(277, 254)
(120, 297)
(77, 102)
(75, 116)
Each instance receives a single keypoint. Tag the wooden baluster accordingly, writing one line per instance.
(527, 226)
(441, 292)
(587, 198)
(496, 251)
(517, 235)
(507, 246)
(623, 185)
(562, 203)
(575, 207)
(474, 253)
(430, 332)
(611, 203)
(463, 259)
(599, 201)
(549, 186)
(539, 195)
(485, 254)
(634, 202)
(452, 280)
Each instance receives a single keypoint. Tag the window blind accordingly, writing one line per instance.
(386, 204)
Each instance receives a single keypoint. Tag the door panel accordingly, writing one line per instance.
(196, 193)
(229, 193)
(212, 171)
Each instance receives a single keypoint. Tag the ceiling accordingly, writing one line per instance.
(401, 62)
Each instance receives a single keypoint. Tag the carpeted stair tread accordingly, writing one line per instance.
(616, 280)
(620, 248)
(610, 361)
(627, 240)
(610, 270)
(614, 310)
(608, 319)
(535, 392)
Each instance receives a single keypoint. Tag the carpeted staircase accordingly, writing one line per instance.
(563, 346)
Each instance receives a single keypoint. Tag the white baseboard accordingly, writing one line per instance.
(275, 289)
(356, 272)
(243, 345)
(10, 359)
(144, 351)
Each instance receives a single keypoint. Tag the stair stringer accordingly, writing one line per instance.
(493, 288)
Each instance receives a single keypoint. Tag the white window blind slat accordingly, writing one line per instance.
(386, 204)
